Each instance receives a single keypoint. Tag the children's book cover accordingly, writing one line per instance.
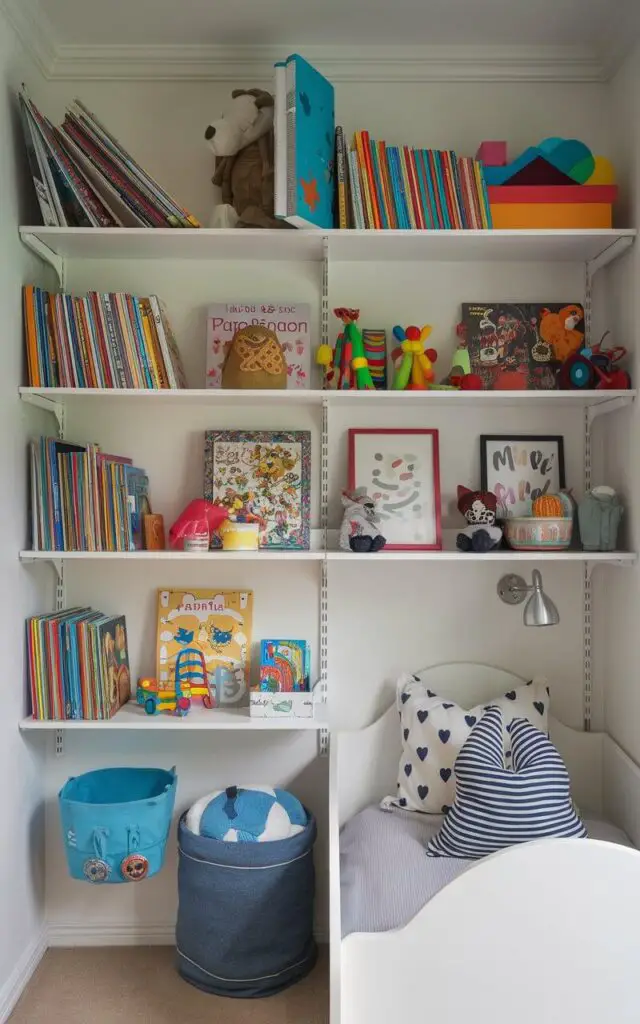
(265, 474)
(115, 674)
(289, 320)
(284, 666)
(204, 644)
(530, 339)
(310, 139)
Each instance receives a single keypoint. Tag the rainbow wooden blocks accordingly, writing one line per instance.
(556, 184)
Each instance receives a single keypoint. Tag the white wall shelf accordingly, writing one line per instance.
(132, 716)
(447, 555)
(52, 397)
(583, 246)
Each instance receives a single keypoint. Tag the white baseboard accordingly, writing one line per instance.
(15, 985)
(125, 934)
(83, 934)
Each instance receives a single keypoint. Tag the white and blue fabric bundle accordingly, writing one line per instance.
(246, 887)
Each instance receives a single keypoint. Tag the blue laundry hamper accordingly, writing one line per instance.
(245, 912)
(115, 823)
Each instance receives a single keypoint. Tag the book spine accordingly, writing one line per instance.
(100, 331)
(368, 164)
(386, 185)
(114, 347)
(90, 199)
(135, 319)
(407, 189)
(66, 310)
(364, 181)
(88, 365)
(131, 355)
(127, 191)
(174, 351)
(475, 196)
(68, 379)
(164, 347)
(442, 196)
(356, 191)
(43, 347)
(424, 192)
(467, 195)
(153, 343)
(58, 538)
(485, 206)
(453, 164)
(398, 187)
(450, 191)
(341, 179)
(84, 315)
(413, 188)
(30, 335)
(378, 186)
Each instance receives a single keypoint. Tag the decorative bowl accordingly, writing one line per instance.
(540, 533)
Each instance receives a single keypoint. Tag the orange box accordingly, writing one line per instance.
(552, 215)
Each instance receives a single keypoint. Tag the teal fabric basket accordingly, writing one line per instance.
(115, 823)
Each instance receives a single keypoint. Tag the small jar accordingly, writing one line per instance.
(197, 542)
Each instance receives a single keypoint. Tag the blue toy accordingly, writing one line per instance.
(247, 814)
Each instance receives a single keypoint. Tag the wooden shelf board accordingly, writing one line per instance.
(131, 716)
(349, 246)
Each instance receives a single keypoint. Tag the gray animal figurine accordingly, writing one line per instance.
(359, 531)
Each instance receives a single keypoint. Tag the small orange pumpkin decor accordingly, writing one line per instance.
(548, 505)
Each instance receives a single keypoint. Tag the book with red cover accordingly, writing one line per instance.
(416, 199)
(366, 145)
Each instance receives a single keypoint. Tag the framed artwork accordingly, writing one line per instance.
(519, 469)
(401, 471)
(264, 473)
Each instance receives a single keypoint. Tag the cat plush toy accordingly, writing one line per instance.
(479, 509)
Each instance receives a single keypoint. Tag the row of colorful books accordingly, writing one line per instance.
(78, 665)
(85, 500)
(109, 340)
(380, 186)
(85, 178)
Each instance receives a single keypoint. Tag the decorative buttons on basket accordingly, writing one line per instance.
(134, 868)
(96, 870)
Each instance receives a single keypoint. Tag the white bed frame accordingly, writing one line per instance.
(537, 934)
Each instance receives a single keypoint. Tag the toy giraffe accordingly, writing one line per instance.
(347, 360)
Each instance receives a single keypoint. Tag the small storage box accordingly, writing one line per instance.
(245, 912)
(115, 823)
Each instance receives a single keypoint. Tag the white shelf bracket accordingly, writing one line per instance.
(612, 252)
(57, 409)
(606, 406)
(58, 740)
(48, 255)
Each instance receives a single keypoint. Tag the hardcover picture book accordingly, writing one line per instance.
(204, 643)
(529, 339)
(263, 475)
(289, 320)
(284, 666)
(304, 145)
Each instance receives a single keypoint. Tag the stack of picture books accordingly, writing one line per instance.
(110, 340)
(84, 177)
(380, 186)
(78, 665)
(85, 500)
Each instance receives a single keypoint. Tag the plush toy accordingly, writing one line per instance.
(199, 516)
(242, 141)
(359, 531)
(255, 360)
(479, 509)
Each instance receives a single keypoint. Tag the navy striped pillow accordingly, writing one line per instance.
(497, 806)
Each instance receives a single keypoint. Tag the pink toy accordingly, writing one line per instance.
(493, 154)
(198, 517)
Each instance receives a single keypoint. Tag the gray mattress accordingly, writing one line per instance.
(385, 874)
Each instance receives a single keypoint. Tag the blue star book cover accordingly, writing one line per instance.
(305, 145)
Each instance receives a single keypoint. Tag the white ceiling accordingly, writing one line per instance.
(595, 24)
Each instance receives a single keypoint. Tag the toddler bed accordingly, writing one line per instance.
(539, 932)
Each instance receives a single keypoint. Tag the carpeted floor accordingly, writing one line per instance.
(139, 985)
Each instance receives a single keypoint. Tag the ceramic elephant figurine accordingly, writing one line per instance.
(359, 531)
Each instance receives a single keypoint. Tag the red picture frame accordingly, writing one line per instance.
(363, 474)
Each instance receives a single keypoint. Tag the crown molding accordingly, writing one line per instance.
(370, 64)
(34, 30)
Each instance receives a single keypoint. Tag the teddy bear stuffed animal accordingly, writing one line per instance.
(242, 142)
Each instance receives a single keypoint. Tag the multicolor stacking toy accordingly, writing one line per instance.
(557, 184)
(413, 362)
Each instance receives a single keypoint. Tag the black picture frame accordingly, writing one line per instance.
(536, 476)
